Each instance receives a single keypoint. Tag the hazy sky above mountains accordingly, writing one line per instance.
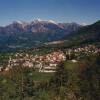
(81, 11)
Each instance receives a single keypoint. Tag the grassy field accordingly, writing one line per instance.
(38, 76)
(71, 65)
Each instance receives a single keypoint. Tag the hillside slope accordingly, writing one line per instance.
(88, 34)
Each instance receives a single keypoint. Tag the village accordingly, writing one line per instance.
(48, 63)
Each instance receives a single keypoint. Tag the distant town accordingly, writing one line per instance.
(48, 62)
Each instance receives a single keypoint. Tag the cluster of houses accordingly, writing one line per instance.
(85, 50)
(48, 62)
(43, 63)
(88, 49)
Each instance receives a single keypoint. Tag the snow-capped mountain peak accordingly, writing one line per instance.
(18, 22)
(51, 21)
(44, 21)
(39, 26)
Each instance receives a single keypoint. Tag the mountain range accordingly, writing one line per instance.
(85, 35)
(20, 34)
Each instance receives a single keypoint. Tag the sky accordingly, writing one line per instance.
(80, 11)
